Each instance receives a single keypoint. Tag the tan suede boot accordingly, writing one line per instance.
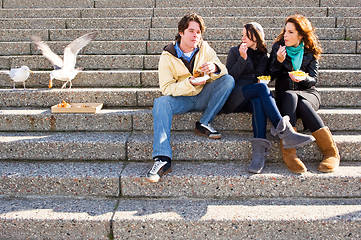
(291, 160)
(331, 156)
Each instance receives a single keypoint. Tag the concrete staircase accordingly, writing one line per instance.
(79, 176)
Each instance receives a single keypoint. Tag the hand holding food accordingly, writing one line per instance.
(208, 67)
(199, 77)
(243, 50)
(298, 76)
(281, 54)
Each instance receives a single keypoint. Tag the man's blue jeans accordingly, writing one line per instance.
(210, 100)
(259, 101)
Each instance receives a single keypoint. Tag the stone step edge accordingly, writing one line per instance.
(140, 119)
(225, 180)
(232, 180)
(137, 147)
(189, 218)
(96, 178)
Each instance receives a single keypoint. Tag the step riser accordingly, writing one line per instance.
(49, 218)
(160, 34)
(60, 179)
(128, 97)
(149, 62)
(179, 12)
(40, 79)
(233, 147)
(193, 180)
(232, 181)
(161, 22)
(50, 146)
(65, 146)
(142, 120)
(191, 219)
(150, 47)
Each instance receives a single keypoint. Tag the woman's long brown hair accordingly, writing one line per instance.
(307, 31)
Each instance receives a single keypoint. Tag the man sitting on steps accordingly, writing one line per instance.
(183, 93)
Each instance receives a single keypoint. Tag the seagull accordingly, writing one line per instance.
(20, 74)
(64, 70)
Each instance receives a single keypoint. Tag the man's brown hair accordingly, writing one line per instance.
(183, 24)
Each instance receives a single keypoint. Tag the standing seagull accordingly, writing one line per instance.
(20, 75)
(64, 70)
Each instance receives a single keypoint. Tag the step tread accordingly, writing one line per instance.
(99, 179)
(141, 97)
(137, 146)
(222, 180)
(189, 218)
(31, 218)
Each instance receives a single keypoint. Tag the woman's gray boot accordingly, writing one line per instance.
(290, 138)
(260, 147)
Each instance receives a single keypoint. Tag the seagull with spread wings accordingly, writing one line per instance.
(64, 70)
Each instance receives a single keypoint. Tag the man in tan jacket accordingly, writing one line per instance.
(180, 62)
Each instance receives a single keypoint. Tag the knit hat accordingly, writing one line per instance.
(259, 28)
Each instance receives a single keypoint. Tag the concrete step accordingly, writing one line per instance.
(79, 13)
(137, 146)
(150, 62)
(153, 47)
(47, 4)
(149, 78)
(63, 146)
(268, 22)
(161, 22)
(353, 11)
(113, 78)
(234, 146)
(243, 11)
(189, 180)
(231, 180)
(71, 34)
(159, 34)
(75, 23)
(96, 178)
(229, 33)
(239, 219)
(147, 218)
(177, 12)
(140, 97)
(55, 218)
(223, 46)
(259, 3)
(139, 119)
(232, 3)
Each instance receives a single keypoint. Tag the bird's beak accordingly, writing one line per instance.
(31, 72)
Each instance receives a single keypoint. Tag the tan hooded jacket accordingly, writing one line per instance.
(174, 75)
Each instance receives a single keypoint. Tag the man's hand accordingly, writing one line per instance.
(208, 67)
(196, 83)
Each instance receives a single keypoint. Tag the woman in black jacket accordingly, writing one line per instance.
(297, 49)
(245, 63)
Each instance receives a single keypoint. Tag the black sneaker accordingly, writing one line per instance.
(207, 130)
(159, 169)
